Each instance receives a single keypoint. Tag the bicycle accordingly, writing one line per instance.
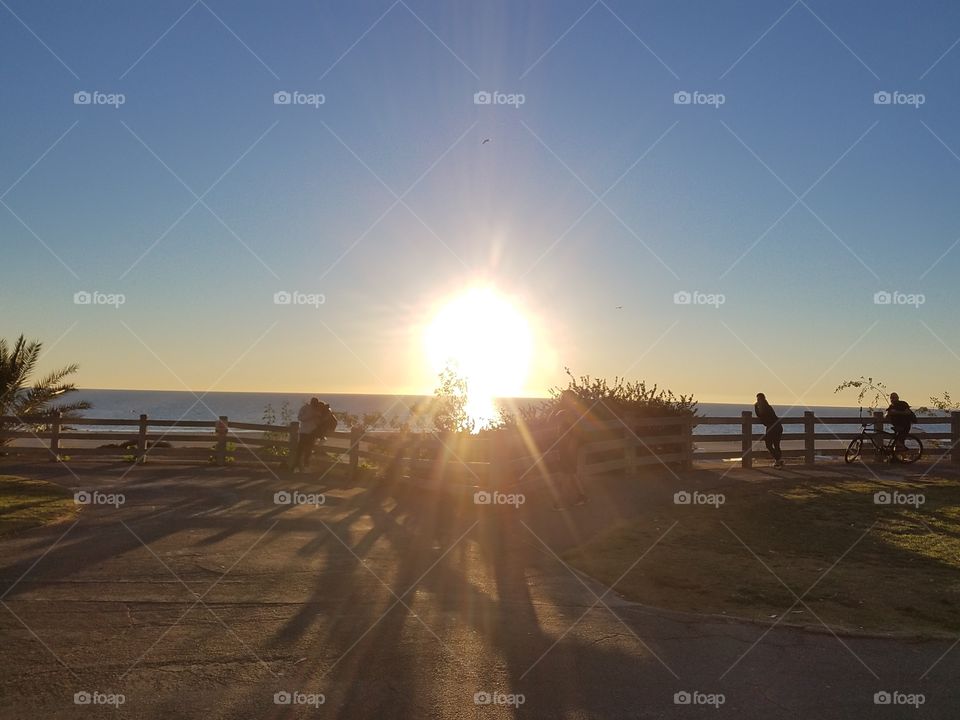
(884, 449)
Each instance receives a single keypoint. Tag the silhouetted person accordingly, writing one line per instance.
(901, 417)
(774, 428)
(326, 423)
(566, 438)
(309, 416)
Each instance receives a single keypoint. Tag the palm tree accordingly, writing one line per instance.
(20, 399)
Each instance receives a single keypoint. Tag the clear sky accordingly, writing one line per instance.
(795, 200)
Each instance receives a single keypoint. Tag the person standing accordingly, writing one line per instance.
(566, 451)
(774, 428)
(309, 417)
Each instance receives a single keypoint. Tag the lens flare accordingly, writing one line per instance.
(488, 342)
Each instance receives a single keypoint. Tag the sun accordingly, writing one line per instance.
(487, 341)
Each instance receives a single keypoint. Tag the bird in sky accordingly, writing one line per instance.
(485, 141)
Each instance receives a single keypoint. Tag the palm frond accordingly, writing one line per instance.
(20, 398)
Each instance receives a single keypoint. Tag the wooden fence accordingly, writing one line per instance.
(814, 433)
(213, 440)
(499, 459)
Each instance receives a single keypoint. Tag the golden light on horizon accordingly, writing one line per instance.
(487, 341)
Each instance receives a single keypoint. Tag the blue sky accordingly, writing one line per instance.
(294, 191)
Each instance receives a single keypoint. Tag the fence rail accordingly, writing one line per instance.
(500, 459)
(812, 426)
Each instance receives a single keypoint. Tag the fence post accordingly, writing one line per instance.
(293, 439)
(955, 435)
(356, 432)
(55, 438)
(746, 439)
(141, 454)
(809, 439)
(686, 430)
(878, 421)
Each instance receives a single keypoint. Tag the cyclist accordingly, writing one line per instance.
(901, 417)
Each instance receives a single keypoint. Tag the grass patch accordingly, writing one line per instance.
(26, 503)
(902, 576)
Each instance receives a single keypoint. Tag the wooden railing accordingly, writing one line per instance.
(628, 445)
(498, 459)
(221, 441)
(501, 459)
(814, 429)
(214, 440)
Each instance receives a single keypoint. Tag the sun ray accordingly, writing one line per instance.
(488, 342)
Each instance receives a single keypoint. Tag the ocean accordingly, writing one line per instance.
(251, 406)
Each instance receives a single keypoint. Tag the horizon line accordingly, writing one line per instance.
(411, 394)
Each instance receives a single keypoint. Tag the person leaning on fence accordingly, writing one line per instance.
(774, 428)
(309, 416)
(562, 458)
(326, 423)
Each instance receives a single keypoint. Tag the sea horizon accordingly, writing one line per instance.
(250, 407)
(321, 395)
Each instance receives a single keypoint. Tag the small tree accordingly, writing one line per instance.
(43, 398)
(877, 393)
(868, 389)
(278, 440)
(449, 406)
(372, 420)
(941, 403)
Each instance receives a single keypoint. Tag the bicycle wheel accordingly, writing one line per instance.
(911, 451)
(853, 450)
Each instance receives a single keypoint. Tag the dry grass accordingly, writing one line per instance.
(28, 503)
(902, 576)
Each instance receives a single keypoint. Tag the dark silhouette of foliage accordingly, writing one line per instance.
(43, 398)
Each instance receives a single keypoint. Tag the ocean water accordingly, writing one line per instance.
(250, 407)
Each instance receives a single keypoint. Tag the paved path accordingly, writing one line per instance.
(199, 597)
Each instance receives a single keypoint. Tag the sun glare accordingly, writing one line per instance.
(487, 341)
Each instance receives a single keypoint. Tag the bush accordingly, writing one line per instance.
(278, 440)
(601, 400)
